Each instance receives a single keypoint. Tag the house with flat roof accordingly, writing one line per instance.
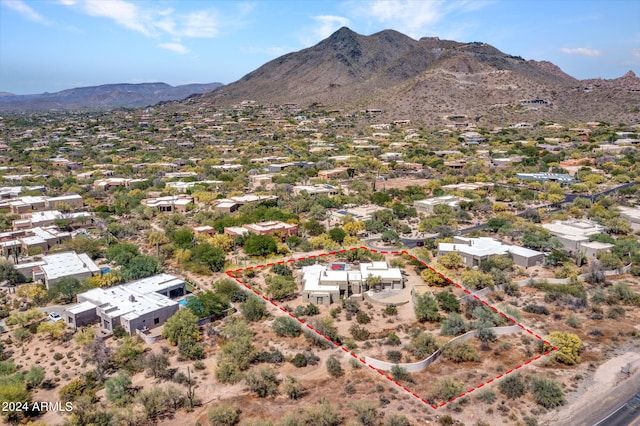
(631, 215)
(231, 204)
(172, 203)
(139, 305)
(21, 241)
(48, 217)
(475, 250)
(54, 267)
(561, 178)
(325, 284)
(317, 189)
(426, 206)
(574, 235)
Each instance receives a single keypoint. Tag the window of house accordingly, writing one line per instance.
(156, 320)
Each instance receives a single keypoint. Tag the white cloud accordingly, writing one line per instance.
(149, 20)
(416, 18)
(174, 47)
(124, 13)
(200, 24)
(584, 51)
(635, 53)
(26, 11)
(326, 25)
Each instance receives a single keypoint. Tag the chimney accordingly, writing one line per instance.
(132, 298)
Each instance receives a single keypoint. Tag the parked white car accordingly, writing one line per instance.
(54, 317)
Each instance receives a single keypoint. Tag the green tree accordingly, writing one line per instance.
(286, 326)
(118, 389)
(210, 256)
(206, 304)
(65, 289)
(423, 345)
(280, 287)
(140, 267)
(34, 376)
(337, 234)
(183, 238)
(254, 308)
(122, 253)
(448, 301)
(180, 326)
(426, 308)
(453, 325)
(260, 245)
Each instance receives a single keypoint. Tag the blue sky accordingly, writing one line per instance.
(51, 45)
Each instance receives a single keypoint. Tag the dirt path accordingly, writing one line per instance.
(607, 387)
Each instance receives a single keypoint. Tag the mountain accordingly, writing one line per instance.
(105, 97)
(428, 79)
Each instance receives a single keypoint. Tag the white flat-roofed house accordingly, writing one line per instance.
(391, 278)
(172, 203)
(426, 206)
(574, 236)
(475, 250)
(48, 217)
(631, 215)
(324, 284)
(65, 265)
(316, 189)
(139, 305)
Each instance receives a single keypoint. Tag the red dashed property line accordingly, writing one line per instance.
(232, 275)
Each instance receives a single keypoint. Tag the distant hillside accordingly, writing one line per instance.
(103, 97)
(429, 79)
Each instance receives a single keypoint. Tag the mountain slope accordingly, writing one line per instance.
(104, 97)
(429, 78)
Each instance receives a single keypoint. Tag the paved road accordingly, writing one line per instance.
(628, 414)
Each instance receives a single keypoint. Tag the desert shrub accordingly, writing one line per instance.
(396, 420)
(273, 357)
(286, 326)
(547, 392)
(487, 395)
(453, 325)
(426, 309)
(616, 312)
(448, 302)
(293, 388)
(573, 321)
(391, 310)
(394, 356)
(460, 352)
(333, 367)
(299, 360)
(366, 411)
(359, 333)
(536, 309)
(513, 386)
(423, 345)
(311, 310)
(392, 340)
(400, 373)
(264, 382)
(254, 308)
(223, 415)
(312, 359)
(447, 388)
(363, 318)
(569, 347)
